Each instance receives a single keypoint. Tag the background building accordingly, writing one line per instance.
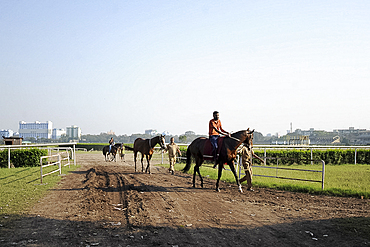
(6, 133)
(57, 133)
(151, 132)
(74, 132)
(36, 129)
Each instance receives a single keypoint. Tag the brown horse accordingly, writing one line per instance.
(117, 148)
(146, 147)
(227, 154)
(113, 153)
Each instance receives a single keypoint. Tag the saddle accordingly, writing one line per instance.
(208, 148)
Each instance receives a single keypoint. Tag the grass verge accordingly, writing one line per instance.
(20, 188)
(340, 180)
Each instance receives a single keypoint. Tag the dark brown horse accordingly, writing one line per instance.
(146, 147)
(117, 148)
(112, 153)
(227, 154)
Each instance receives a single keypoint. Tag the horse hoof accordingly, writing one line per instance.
(218, 190)
(240, 189)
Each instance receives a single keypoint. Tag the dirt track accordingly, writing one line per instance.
(108, 204)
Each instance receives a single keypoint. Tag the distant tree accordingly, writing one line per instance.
(182, 138)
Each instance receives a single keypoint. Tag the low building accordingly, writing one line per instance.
(13, 140)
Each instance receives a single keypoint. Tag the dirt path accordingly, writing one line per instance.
(108, 204)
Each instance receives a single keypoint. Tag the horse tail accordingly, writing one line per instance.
(129, 148)
(188, 160)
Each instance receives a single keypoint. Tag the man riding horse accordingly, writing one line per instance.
(215, 129)
(111, 143)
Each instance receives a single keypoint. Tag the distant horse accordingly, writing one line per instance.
(113, 152)
(226, 151)
(146, 147)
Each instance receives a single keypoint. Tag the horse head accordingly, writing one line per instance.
(248, 142)
(162, 142)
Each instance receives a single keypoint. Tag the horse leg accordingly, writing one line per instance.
(232, 167)
(194, 174)
(148, 157)
(200, 176)
(135, 155)
(142, 164)
(220, 167)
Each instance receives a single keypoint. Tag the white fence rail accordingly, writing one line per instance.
(49, 146)
(309, 147)
(322, 171)
(58, 163)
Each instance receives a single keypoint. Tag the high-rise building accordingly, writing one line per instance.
(74, 132)
(35, 129)
(57, 133)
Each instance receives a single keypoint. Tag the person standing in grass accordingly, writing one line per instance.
(246, 153)
(172, 149)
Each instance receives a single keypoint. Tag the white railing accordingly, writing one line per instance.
(322, 171)
(59, 163)
(50, 164)
(48, 146)
(309, 147)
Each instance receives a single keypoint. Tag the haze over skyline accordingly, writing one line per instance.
(129, 66)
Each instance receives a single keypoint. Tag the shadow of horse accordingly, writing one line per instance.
(146, 148)
(226, 154)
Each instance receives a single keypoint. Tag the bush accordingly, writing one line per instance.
(22, 157)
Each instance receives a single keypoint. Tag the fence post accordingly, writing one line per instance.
(60, 164)
(9, 158)
(41, 168)
(69, 164)
(323, 174)
(74, 154)
(311, 157)
(265, 157)
(355, 156)
(240, 166)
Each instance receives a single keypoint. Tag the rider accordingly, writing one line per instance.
(215, 129)
(111, 143)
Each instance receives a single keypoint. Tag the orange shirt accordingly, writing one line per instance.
(217, 125)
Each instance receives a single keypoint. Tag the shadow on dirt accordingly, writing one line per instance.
(39, 231)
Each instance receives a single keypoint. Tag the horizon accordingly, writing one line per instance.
(131, 66)
(178, 134)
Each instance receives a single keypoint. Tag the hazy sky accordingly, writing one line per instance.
(128, 66)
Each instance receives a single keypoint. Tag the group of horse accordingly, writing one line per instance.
(199, 149)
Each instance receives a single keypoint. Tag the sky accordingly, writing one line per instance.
(129, 66)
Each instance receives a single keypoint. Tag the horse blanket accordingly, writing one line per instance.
(207, 151)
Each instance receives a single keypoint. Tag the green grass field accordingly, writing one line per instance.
(340, 180)
(20, 188)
